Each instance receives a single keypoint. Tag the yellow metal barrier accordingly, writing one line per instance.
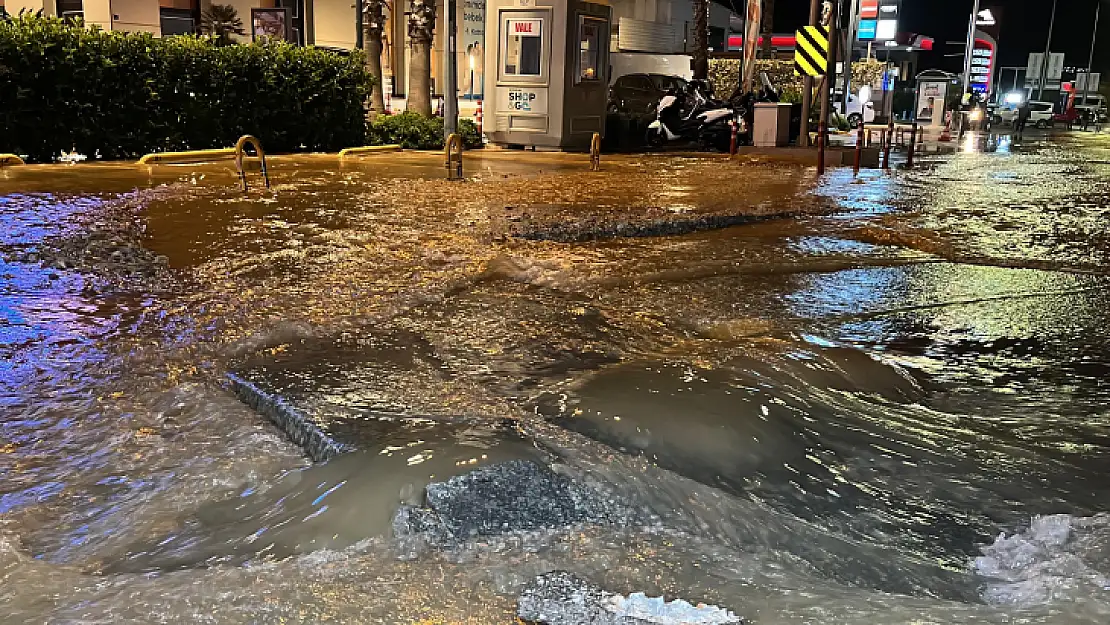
(368, 149)
(10, 159)
(452, 153)
(595, 152)
(190, 156)
(240, 153)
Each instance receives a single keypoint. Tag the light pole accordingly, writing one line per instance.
(1047, 48)
(1091, 59)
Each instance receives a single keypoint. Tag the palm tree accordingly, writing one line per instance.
(220, 21)
(701, 39)
(422, 23)
(768, 26)
(373, 22)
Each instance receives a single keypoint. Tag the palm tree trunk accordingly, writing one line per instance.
(701, 39)
(422, 20)
(768, 27)
(374, 22)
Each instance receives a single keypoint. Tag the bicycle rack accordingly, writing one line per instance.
(240, 153)
(452, 153)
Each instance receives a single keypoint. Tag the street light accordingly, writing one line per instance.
(1047, 48)
(1091, 59)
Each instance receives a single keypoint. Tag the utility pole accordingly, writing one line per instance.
(450, 91)
(358, 25)
(807, 84)
(1047, 48)
(970, 48)
(1091, 59)
(826, 89)
(850, 42)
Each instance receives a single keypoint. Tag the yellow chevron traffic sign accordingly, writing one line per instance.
(811, 52)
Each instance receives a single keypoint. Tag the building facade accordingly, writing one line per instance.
(639, 26)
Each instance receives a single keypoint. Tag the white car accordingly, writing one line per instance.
(1040, 114)
(857, 111)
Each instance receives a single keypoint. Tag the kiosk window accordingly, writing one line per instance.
(589, 48)
(523, 46)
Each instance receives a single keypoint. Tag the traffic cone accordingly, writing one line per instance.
(946, 134)
(478, 118)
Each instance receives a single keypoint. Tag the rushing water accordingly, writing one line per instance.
(888, 407)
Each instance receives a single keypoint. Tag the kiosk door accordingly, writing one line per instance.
(524, 70)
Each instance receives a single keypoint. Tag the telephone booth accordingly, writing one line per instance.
(547, 76)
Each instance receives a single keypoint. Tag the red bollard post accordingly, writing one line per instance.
(913, 144)
(820, 149)
(478, 118)
(859, 147)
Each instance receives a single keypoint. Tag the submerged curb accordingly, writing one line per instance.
(658, 228)
(369, 149)
(298, 427)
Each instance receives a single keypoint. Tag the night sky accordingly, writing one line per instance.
(1024, 25)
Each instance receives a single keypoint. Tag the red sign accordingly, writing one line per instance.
(869, 9)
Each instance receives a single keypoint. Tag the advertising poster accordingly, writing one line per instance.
(472, 49)
(270, 23)
(930, 102)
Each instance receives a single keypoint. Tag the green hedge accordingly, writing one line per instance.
(416, 132)
(126, 94)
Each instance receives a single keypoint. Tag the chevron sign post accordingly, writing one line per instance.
(812, 51)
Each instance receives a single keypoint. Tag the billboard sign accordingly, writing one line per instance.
(1053, 73)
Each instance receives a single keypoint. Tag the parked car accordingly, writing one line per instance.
(1099, 111)
(857, 111)
(1041, 114)
(638, 94)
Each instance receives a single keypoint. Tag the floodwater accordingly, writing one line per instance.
(882, 401)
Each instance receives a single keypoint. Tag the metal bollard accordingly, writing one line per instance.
(595, 152)
(859, 148)
(240, 152)
(913, 145)
(453, 157)
(820, 149)
(732, 140)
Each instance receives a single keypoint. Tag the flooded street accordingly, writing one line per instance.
(835, 400)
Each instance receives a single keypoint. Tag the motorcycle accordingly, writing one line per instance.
(694, 115)
(691, 115)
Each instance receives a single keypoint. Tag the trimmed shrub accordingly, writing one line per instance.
(413, 131)
(126, 94)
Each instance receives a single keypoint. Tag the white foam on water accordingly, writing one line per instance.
(1056, 559)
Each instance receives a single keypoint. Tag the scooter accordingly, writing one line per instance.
(692, 115)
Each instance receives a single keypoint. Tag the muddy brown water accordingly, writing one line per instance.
(835, 413)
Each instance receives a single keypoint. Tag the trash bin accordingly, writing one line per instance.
(771, 125)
